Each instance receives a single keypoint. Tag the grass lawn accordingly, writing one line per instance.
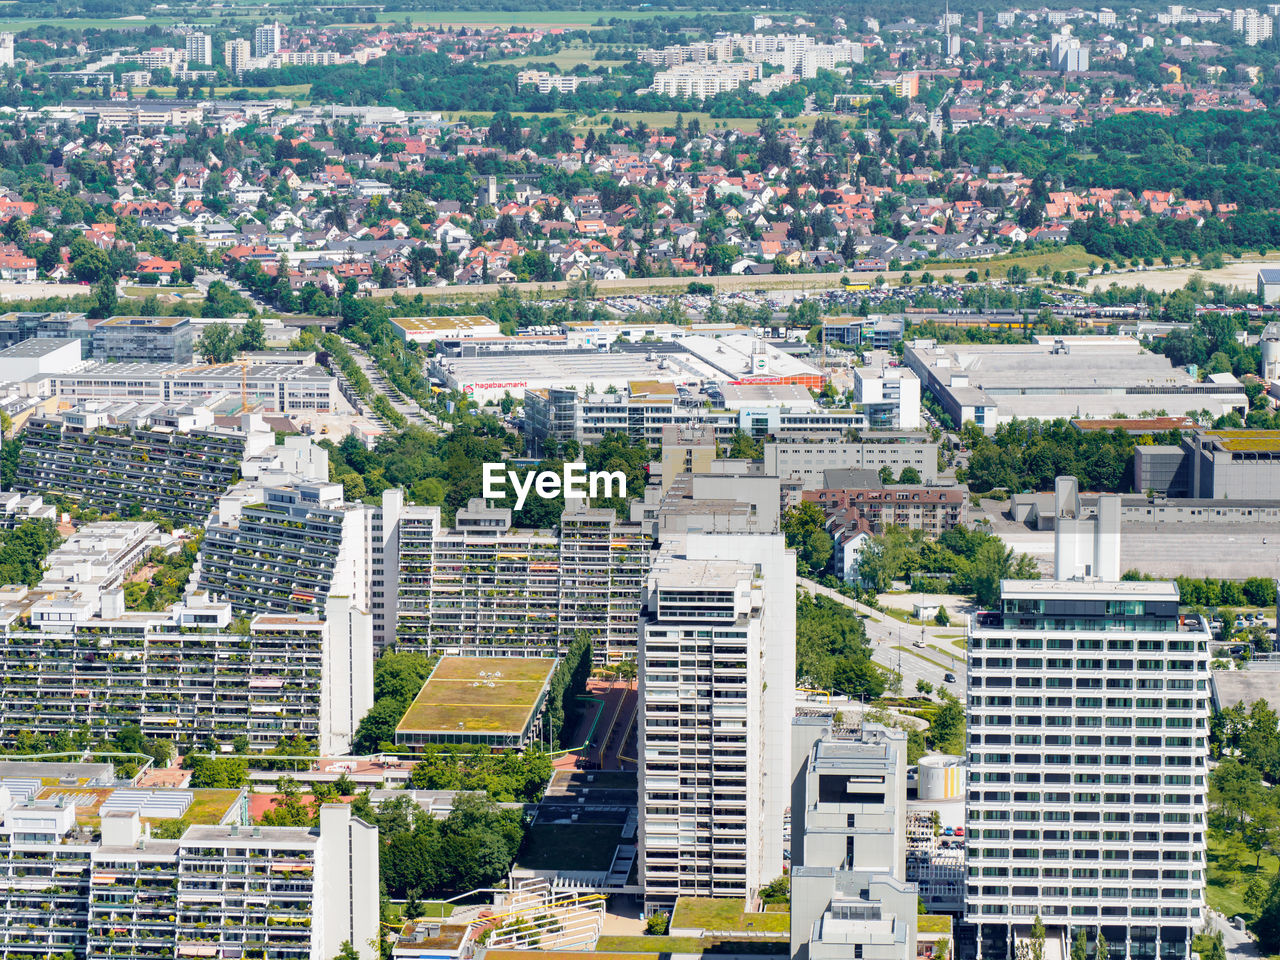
(431, 909)
(1226, 886)
(531, 18)
(478, 694)
(569, 846)
(725, 913)
(565, 60)
(650, 945)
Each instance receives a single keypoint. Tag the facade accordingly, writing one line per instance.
(18, 326)
(199, 48)
(1269, 285)
(547, 82)
(890, 397)
(267, 39)
(1068, 55)
(236, 54)
(704, 80)
(487, 587)
(38, 356)
(935, 510)
(1234, 465)
(718, 618)
(808, 462)
(70, 660)
(849, 895)
(269, 387)
(172, 462)
(220, 888)
(1088, 714)
(143, 340)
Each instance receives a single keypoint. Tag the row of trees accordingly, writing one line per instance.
(832, 652)
(397, 678)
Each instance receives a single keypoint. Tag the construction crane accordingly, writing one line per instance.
(244, 382)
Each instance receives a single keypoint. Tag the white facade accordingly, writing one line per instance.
(892, 397)
(199, 48)
(849, 895)
(1068, 55)
(267, 40)
(237, 54)
(6, 49)
(707, 80)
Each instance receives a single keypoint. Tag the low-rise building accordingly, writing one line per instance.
(143, 339)
(935, 510)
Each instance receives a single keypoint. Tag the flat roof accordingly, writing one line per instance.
(1245, 441)
(1137, 424)
(435, 324)
(575, 369)
(1246, 686)
(35, 347)
(144, 322)
(1147, 589)
(490, 695)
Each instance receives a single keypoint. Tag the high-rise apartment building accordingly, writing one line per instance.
(849, 895)
(221, 889)
(1067, 54)
(1088, 714)
(237, 53)
(267, 39)
(6, 49)
(199, 48)
(718, 622)
(487, 587)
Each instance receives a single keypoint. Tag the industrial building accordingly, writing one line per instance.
(38, 356)
(1269, 344)
(1068, 376)
(107, 887)
(144, 340)
(1087, 715)
(808, 462)
(430, 329)
(1269, 285)
(849, 894)
(1231, 465)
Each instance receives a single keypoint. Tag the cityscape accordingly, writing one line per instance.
(639, 481)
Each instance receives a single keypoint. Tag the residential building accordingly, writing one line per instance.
(1088, 753)
(236, 54)
(173, 461)
(547, 82)
(849, 895)
(75, 657)
(704, 80)
(718, 618)
(199, 48)
(935, 510)
(487, 587)
(119, 891)
(6, 49)
(143, 340)
(267, 39)
(1067, 54)
(906, 85)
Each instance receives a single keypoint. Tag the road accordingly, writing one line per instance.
(885, 634)
(406, 406)
(1239, 946)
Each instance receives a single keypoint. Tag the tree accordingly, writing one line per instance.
(93, 266)
(805, 529)
(220, 772)
(1037, 939)
(347, 952)
(253, 335)
(946, 730)
(886, 475)
(924, 686)
(1080, 946)
(910, 475)
(1100, 951)
(216, 343)
(942, 618)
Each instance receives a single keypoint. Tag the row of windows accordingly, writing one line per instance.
(1116, 645)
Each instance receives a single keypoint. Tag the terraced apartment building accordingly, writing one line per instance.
(81, 876)
(132, 457)
(188, 674)
(487, 587)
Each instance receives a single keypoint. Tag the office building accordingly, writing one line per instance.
(849, 895)
(267, 387)
(73, 657)
(236, 54)
(890, 397)
(144, 339)
(23, 325)
(267, 40)
(808, 462)
(199, 48)
(718, 619)
(172, 460)
(108, 888)
(1087, 717)
(485, 587)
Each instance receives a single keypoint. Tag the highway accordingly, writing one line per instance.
(886, 635)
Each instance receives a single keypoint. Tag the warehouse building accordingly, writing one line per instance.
(1071, 377)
